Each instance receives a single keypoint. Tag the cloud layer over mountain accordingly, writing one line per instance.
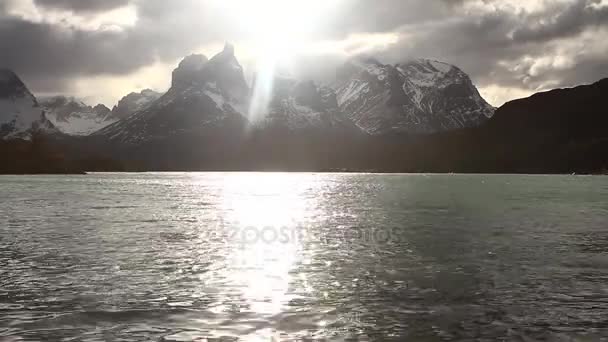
(509, 47)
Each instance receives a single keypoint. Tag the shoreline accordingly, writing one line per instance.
(84, 173)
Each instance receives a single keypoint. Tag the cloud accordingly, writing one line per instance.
(82, 5)
(531, 49)
(363, 16)
(509, 47)
(560, 22)
(42, 51)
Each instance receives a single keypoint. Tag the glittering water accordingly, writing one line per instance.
(257, 257)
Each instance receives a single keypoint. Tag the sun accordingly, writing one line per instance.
(274, 31)
(277, 27)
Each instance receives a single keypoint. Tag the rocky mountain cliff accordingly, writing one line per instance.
(420, 96)
(74, 117)
(211, 94)
(133, 103)
(205, 96)
(20, 114)
(304, 106)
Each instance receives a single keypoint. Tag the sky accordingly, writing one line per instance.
(100, 50)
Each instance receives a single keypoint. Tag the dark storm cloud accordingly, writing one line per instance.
(387, 15)
(383, 16)
(485, 44)
(586, 70)
(489, 43)
(42, 52)
(561, 22)
(82, 5)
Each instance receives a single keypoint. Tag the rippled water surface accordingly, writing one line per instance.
(260, 257)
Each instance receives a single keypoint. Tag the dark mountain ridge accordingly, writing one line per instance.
(417, 116)
(559, 131)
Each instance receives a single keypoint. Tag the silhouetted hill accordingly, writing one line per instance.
(560, 131)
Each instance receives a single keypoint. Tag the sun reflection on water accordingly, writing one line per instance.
(262, 212)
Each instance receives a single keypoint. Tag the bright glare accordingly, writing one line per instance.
(276, 31)
(277, 26)
(266, 209)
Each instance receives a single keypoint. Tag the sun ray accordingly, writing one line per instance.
(276, 30)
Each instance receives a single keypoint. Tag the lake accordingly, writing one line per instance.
(300, 256)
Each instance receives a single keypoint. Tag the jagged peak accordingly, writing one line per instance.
(9, 78)
(145, 93)
(101, 108)
(136, 101)
(196, 69)
(226, 56)
(66, 105)
(12, 86)
(193, 62)
(185, 73)
(228, 49)
(362, 63)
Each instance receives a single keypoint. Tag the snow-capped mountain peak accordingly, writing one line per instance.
(11, 85)
(20, 114)
(74, 117)
(418, 96)
(426, 72)
(205, 94)
(134, 102)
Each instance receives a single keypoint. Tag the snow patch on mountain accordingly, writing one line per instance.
(20, 114)
(80, 123)
(74, 117)
(18, 117)
(217, 98)
(419, 96)
(206, 95)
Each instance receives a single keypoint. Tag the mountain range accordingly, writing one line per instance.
(420, 96)
(417, 116)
